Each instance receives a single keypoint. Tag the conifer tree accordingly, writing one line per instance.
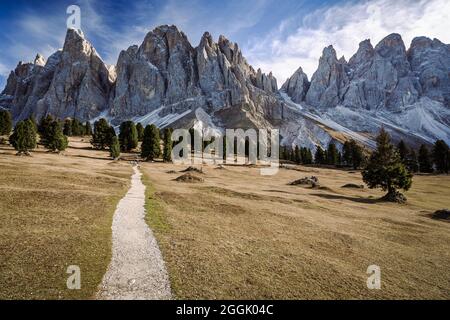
(128, 136)
(411, 161)
(77, 128)
(23, 138)
(88, 129)
(67, 130)
(151, 148)
(441, 156)
(44, 125)
(114, 149)
(102, 136)
(140, 132)
(5, 122)
(347, 153)
(297, 155)
(167, 152)
(332, 155)
(319, 157)
(424, 160)
(403, 151)
(385, 170)
(55, 140)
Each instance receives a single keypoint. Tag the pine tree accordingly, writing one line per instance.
(385, 169)
(151, 148)
(114, 149)
(332, 156)
(5, 123)
(128, 136)
(411, 161)
(441, 156)
(167, 153)
(347, 153)
(44, 125)
(297, 155)
(77, 128)
(23, 138)
(140, 132)
(319, 157)
(88, 129)
(67, 130)
(403, 151)
(424, 159)
(55, 139)
(102, 137)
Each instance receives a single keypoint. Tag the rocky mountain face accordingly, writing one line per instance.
(168, 82)
(407, 91)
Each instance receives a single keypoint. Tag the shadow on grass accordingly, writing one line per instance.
(354, 199)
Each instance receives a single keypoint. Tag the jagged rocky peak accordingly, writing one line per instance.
(430, 61)
(39, 60)
(297, 86)
(363, 55)
(328, 81)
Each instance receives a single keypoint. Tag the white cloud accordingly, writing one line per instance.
(4, 71)
(299, 42)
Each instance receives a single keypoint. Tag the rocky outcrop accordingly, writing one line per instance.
(430, 62)
(328, 82)
(167, 73)
(297, 86)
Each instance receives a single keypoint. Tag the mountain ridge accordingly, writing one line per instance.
(169, 82)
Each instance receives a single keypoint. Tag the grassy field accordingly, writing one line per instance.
(240, 235)
(56, 211)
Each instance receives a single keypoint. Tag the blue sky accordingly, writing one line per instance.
(276, 35)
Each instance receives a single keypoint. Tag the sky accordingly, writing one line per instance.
(274, 35)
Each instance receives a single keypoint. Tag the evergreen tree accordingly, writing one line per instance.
(358, 157)
(403, 151)
(297, 155)
(67, 130)
(88, 129)
(77, 128)
(55, 139)
(151, 148)
(167, 153)
(102, 137)
(307, 157)
(385, 169)
(140, 132)
(347, 153)
(33, 121)
(332, 155)
(441, 156)
(424, 159)
(319, 157)
(23, 138)
(114, 149)
(5, 123)
(128, 136)
(44, 124)
(411, 161)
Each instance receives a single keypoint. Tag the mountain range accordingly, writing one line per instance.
(168, 82)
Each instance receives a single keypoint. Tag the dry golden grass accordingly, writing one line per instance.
(56, 211)
(240, 235)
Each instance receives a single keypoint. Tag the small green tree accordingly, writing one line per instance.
(101, 139)
(403, 151)
(88, 129)
(332, 155)
(411, 161)
(5, 122)
(385, 169)
(77, 128)
(167, 152)
(55, 140)
(140, 132)
(319, 157)
(441, 156)
(23, 138)
(297, 155)
(128, 136)
(424, 160)
(114, 149)
(151, 145)
(67, 129)
(44, 124)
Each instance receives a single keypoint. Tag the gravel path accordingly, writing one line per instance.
(137, 270)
